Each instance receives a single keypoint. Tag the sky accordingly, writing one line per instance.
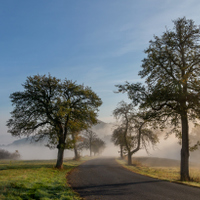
(97, 43)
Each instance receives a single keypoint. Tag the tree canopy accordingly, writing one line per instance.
(49, 107)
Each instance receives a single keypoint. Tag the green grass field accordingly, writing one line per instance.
(26, 180)
(162, 172)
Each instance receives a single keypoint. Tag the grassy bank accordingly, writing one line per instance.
(168, 173)
(26, 180)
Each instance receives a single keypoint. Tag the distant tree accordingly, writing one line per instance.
(50, 107)
(98, 145)
(75, 134)
(172, 88)
(118, 139)
(7, 155)
(88, 138)
(134, 128)
(91, 141)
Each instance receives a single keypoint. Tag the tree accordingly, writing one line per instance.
(89, 137)
(75, 133)
(172, 89)
(134, 128)
(49, 107)
(98, 145)
(91, 141)
(118, 139)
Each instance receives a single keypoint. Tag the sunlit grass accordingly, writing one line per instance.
(164, 173)
(21, 180)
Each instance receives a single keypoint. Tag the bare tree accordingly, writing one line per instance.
(134, 127)
(91, 141)
(89, 137)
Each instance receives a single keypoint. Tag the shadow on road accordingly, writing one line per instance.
(116, 185)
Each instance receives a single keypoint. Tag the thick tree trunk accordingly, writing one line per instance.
(129, 158)
(184, 173)
(60, 156)
(76, 155)
(61, 147)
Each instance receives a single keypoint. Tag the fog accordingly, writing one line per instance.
(30, 152)
(166, 148)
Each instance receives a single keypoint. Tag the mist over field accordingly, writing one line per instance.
(166, 148)
(30, 150)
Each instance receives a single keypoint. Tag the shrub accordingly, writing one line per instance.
(7, 155)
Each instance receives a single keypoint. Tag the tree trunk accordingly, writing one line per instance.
(184, 173)
(139, 140)
(60, 156)
(76, 155)
(90, 143)
(129, 158)
(121, 151)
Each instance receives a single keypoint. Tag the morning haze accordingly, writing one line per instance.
(99, 67)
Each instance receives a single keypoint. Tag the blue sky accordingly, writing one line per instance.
(98, 43)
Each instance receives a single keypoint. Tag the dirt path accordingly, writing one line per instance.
(103, 178)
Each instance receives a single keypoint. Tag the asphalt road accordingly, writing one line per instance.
(105, 179)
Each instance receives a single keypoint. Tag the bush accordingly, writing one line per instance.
(7, 155)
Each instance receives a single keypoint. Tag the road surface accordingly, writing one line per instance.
(104, 178)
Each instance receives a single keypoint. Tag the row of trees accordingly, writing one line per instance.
(171, 92)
